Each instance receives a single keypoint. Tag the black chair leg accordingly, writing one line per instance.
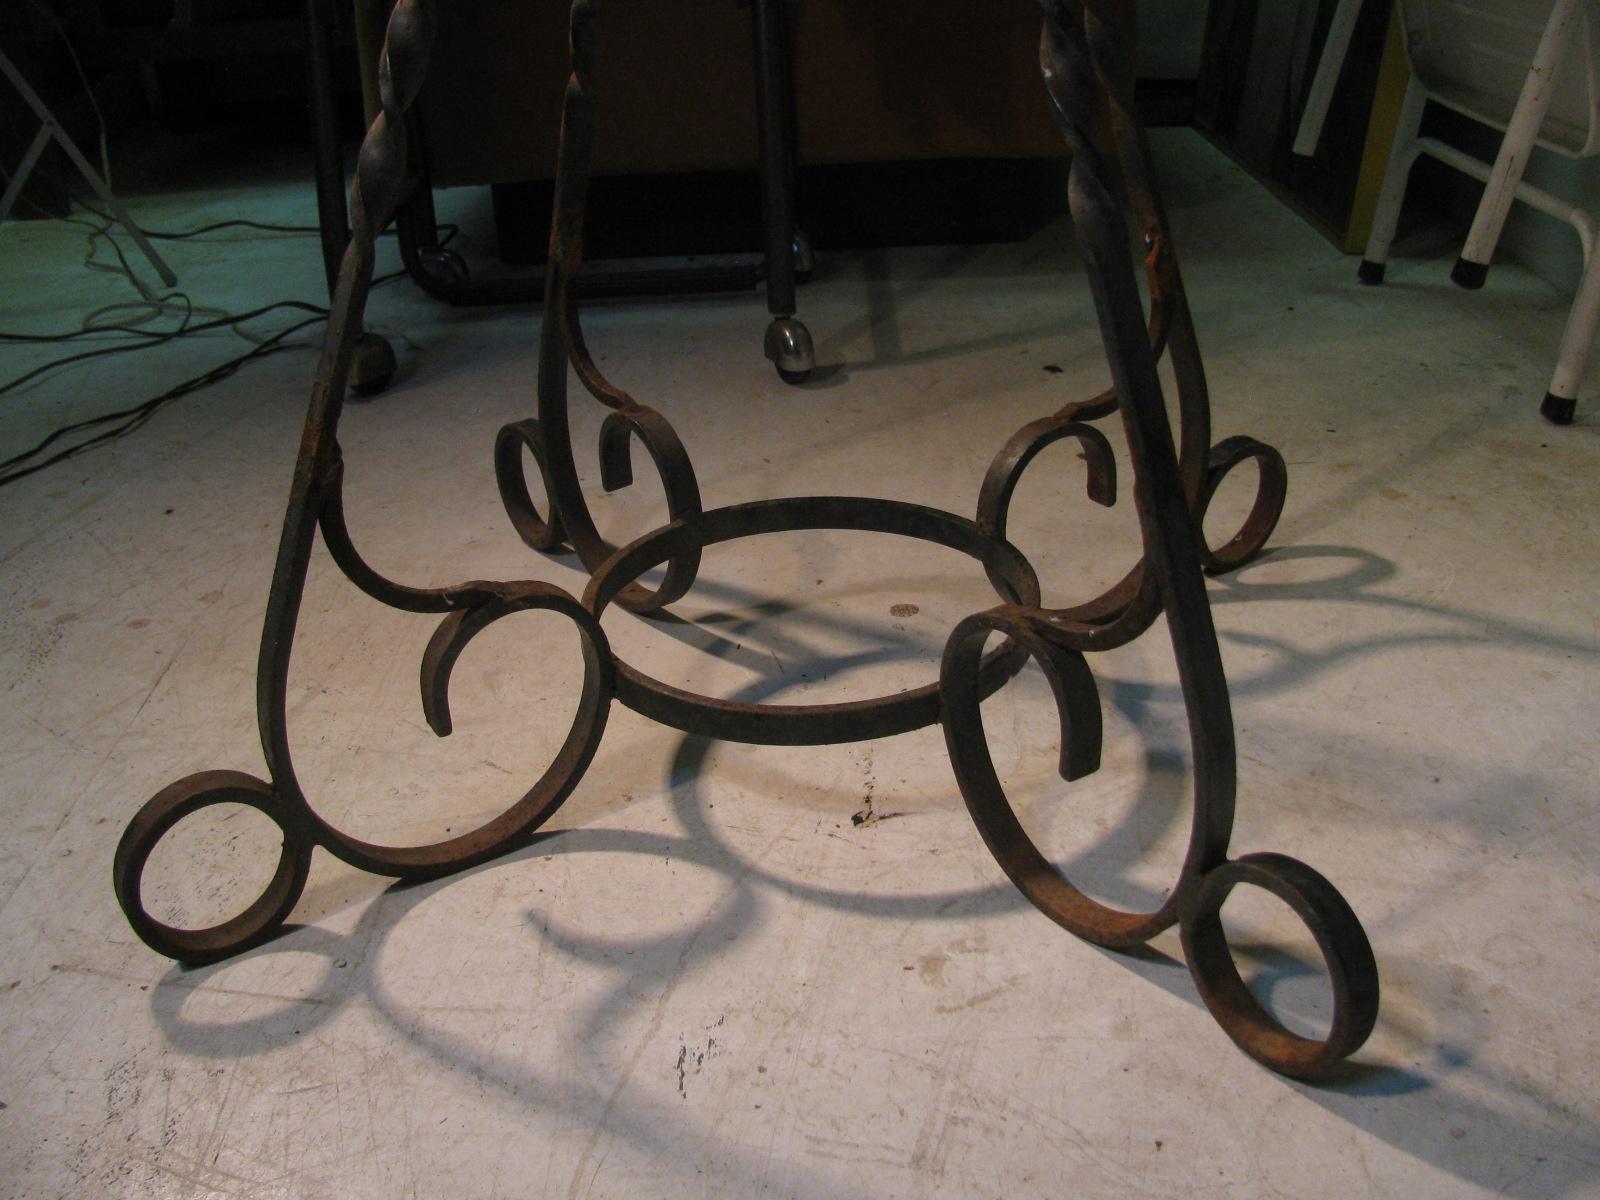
(373, 362)
(788, 341)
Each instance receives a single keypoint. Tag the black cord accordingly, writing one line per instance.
(448, 231)
(155, 338)
(161, 236)
(128, 420)
(132, 418)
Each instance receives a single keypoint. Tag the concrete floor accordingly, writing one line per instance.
(745, 971)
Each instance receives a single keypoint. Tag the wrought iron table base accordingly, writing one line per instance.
(1172, 485)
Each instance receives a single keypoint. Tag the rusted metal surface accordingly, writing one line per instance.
(1172, 485)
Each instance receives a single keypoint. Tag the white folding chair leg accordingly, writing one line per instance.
(1561, 401)
(1472, 268)
(1402, 155)
(1334, 51)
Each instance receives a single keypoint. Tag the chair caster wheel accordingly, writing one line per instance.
(372, 365)
(444, 265)
(788, 345)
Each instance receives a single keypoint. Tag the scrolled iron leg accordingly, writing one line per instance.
(563, 347)
(316, 502)
(262, 919)
(1086, 85)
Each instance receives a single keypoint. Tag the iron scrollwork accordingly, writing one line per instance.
(1173, 483)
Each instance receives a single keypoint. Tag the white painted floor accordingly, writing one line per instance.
(744, 971)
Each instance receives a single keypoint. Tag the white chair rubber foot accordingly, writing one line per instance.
(1469, 275)
(1558, 410)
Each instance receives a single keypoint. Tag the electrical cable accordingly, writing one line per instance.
(128, 420)
(132, 418)
(448, 231)
(155, 338)
(155, 306)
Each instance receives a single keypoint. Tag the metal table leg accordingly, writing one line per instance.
(788, 342)
(374, 363)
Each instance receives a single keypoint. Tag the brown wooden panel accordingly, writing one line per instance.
(886, 80)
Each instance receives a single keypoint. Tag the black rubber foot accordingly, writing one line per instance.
(1370, 273)
(446, 267)
(1558, 410)
(372, 366)
(1469, 275)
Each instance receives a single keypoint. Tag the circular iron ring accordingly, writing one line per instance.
(256, 924)
(1352, 970)
(1272, 488)
(806, 724)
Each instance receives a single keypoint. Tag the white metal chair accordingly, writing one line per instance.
(1318, 100)
(1527, 67)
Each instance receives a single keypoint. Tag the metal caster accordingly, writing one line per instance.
(788, 345)
(372, 365)
(446, 266)
(805, 261)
